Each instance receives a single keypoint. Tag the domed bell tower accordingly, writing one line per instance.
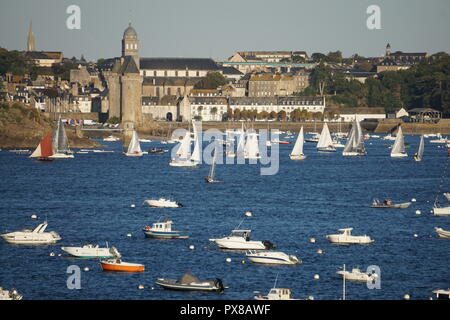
(130, 44)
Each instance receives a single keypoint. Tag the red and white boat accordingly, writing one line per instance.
(119, 265)
(44, 150)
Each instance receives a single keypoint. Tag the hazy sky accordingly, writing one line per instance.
(218, 28)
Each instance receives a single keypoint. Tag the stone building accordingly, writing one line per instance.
(273, 85)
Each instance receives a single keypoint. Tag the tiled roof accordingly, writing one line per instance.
(178, 64)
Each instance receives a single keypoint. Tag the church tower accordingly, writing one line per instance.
(130, 44)
(30, 40)
(388, 50)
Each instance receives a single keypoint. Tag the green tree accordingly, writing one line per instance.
(213, 80)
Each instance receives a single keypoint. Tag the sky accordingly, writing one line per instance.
(217, 28)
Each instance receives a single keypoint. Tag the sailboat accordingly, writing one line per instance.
(325, 143)
(297, 151)
(183, 152)
(44, 150)
(419, 154)
(212, 170)
(355, 142)
(134, 148)
(60, 143)
(398, 149)
(251, 149)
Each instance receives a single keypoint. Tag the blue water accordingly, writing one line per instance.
(88, 199)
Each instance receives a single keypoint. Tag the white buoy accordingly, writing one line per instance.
(310, 298)
(129, 235)
(141, 286)
(59, 254)
(406, 297)
(52, 254)
(418, 212)
(316, 276)
(248, 214)
(191, 247)
(415, 235)
(413, 200)
(86, 269)
(133, 206)
(152, 288)
(319, 251)
(228, 259)
(312, 240)
(33, 216)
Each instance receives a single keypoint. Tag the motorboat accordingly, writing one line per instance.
(111, 138)
(239, 239)
(271, 257)
(314, 138)
(441, 211)
(36, 236)
(387, 203)
(188, 282)
(9, 294)
(163, 230)
(90, 251)
(442, 294)
(117, 264)
(157, 150)
(442, 233)
(357, 276)
(163, 203)
(345, 237)
(277, 294)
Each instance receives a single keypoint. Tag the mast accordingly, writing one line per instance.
(343, 285)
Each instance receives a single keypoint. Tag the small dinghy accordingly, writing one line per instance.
(271, 257)
(346, 237)
(442, 233)
(387, 203)
(188, 282)
(357, 276)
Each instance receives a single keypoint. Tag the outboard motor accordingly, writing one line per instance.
(219, 285)
(179, 204)
(268, 244)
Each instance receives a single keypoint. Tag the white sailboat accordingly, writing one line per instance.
(212, 169)
(325, 143)
(355, 142)
(398, 149)
(419, 154)
(134, 148)
(251, 150)
(60, 143)
(297, 151)
(183, 152)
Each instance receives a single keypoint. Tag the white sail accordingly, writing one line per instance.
(298, 146)
(37, 152)
(60, 142)
(398, 149)
(355, 142)
(325, 140)
(213, 166)
(134, 146)
(196, 154)
(350, 145)
(240, 144)
(251, 147)
(183, 150)
(420, 150)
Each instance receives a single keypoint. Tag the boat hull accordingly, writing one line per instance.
(399, 155)
(172, 285)
(442, 211)
(165, 235)
(239, 245)
(61, 156)
(339, 239)
(28, 241)
(122, 267)
(298, 157)
(442, 233)
(354, 154)
(182, 164)
(81, 252)
(393, 206)
(158, 204)
(272, 259)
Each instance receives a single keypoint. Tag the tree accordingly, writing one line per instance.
(213, 112)
(213, 80)
(273, 115)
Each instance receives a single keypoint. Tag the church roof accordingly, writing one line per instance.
(178, 64)
(129, 66)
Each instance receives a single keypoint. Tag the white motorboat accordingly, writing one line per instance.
(357, 276)
(163, 203)
(271, 257)
(345, 237)
(90, 251)
(36, 236)
(441, 211)
(111, 138)
(442, 294)
(240, 240)
(277, 294)
(398, 149)
(442, 233)
(9, 294)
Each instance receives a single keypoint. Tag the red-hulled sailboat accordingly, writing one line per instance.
(44, 150)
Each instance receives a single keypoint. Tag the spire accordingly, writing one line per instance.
(30, 40)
